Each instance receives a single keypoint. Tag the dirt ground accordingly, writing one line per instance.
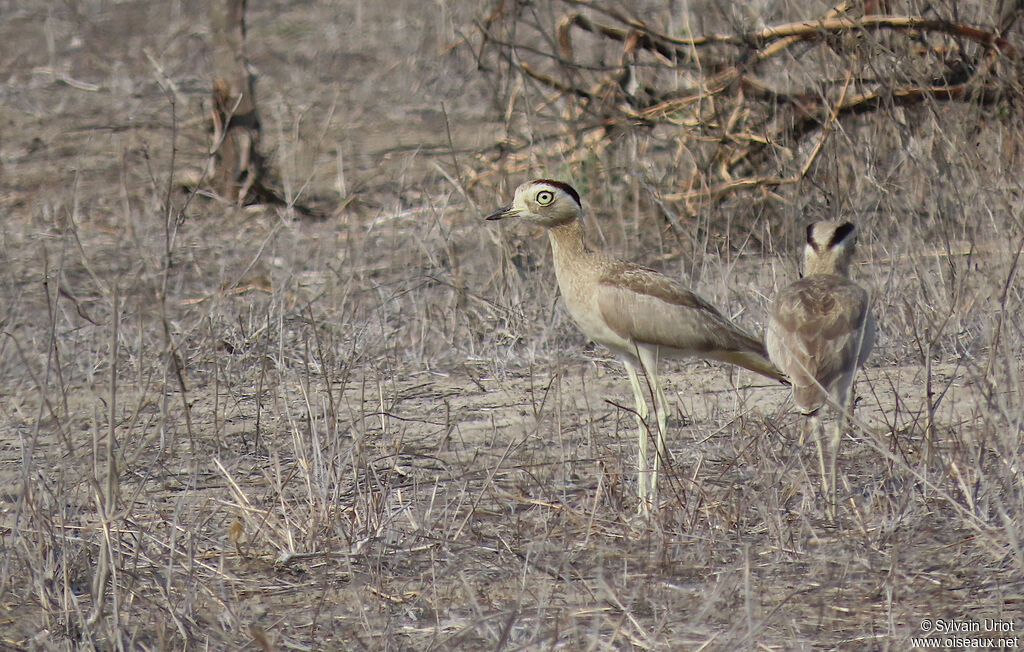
(230, 428)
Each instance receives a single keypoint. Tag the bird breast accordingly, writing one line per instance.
(578, 282)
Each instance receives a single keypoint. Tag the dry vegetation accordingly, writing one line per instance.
(227, 428)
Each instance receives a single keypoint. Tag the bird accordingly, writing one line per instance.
(820, 331)
(639, 314)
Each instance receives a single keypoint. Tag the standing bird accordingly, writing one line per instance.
(821, 330)
(638, 313)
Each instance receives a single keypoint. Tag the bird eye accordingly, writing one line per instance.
(545, 197)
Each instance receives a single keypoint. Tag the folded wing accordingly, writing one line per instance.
(647, 307)
(815, 334)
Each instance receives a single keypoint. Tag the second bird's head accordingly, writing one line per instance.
(544, 202)
(829, 248)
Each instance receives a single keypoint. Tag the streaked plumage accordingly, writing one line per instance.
(641, 315)
(821, 329)
(815, 335)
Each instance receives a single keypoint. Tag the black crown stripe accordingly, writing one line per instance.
(843, 230)
(569, 190)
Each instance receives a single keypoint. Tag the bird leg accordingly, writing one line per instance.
(661, 407)
(649, 364)
(817, 429)
(837, 434)
(645, 483)
(649, 361)
(845, 404)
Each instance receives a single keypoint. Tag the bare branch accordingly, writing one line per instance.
(816, 28)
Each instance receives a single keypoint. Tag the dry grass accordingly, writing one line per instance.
(225, 428)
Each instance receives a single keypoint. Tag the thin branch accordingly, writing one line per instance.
(554, 83)
(658, 36)
(813, 29)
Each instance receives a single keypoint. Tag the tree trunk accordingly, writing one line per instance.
(237, 167)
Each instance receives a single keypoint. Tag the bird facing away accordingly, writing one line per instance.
(636, 312)
(821, 329)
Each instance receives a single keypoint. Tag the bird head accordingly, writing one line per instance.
(544, 202)
(830, 246)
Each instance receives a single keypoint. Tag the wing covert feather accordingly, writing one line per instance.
(815, 332)
(642, 305)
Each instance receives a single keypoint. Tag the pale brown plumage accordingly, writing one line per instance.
(821, 331)
(821, 327)
(646, 307)
(818, 321)
(641, 315)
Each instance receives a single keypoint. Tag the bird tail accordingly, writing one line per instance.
(753, 361)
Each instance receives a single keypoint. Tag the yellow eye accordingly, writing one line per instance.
(545, 197)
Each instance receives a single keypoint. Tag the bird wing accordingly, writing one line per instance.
(815, 329)
(642, 305)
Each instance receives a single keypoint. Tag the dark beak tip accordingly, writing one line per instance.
(499, 214)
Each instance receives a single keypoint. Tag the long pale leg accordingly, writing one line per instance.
(837, 434)
(842, 391)
(644, 481)
(817, 429)
(649, 360)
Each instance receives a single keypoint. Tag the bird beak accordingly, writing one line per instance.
(501, 213)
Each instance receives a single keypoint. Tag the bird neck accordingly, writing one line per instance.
(831, 260)
(826, 265)
(567, 240)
